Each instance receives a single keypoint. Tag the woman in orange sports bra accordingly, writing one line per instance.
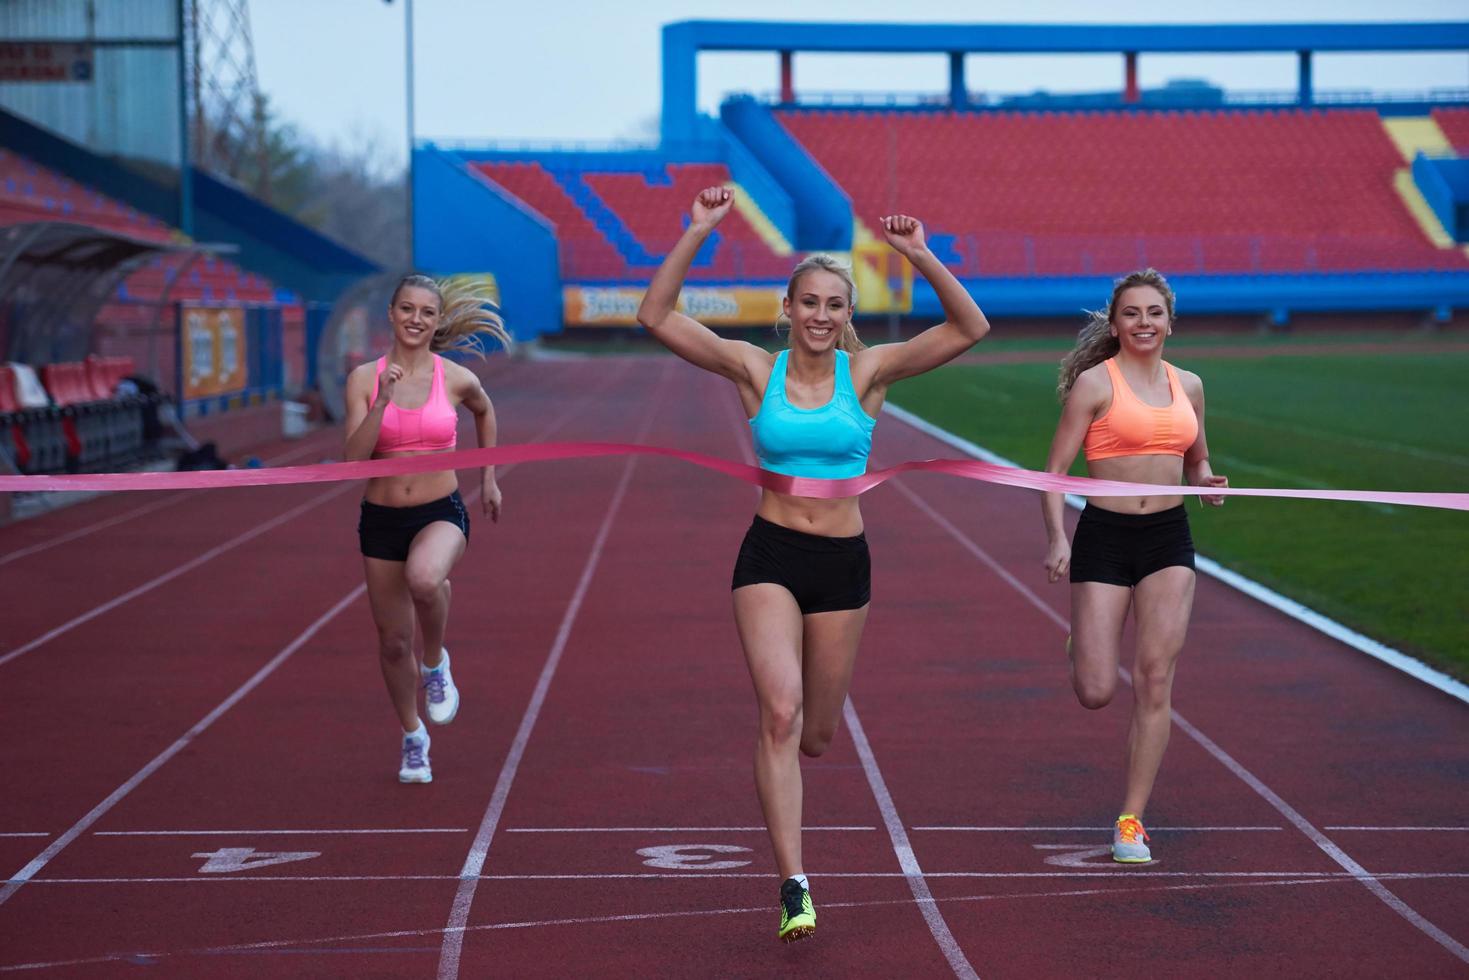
(413, 529)
(1139, 420)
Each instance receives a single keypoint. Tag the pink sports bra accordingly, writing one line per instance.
(429, 429)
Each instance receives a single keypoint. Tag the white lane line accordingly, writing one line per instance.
(15, 882)
(1400, 829)
(1341, 857)
(257, 833)
(167, 577)
(637, 917)
(128, 515)
(1101, 872)
(1089, 829)
(907, 860)
(660, 830)
(453, 944)
(24, 833)
(97, 812)
(1284, 809)
(81, 532)
(1295, 610)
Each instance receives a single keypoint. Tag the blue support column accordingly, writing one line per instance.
(680, 84)
(1304, 73)
(958, 90)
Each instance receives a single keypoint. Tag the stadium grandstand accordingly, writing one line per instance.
(1256, 204)
(1264, 204)
(136, 281)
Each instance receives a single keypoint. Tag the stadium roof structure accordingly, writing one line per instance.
(682, 42)
(57, 275)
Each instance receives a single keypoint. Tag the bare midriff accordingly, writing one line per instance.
(411, 489)
(834, 518)
(1166, 470)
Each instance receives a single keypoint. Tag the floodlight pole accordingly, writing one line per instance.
(408, 70)
(186, 162)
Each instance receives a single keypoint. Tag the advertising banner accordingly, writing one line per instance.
(715, 306)
(41, 62)
(214, 356)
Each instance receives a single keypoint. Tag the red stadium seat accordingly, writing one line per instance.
(1092, 193)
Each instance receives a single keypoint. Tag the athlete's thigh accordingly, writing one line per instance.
(388, 595)
(1163, 603)
(769, 624)
(434, 552)
(1098, 613)
(829, 655)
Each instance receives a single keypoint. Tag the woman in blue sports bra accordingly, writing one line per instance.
(803, 578)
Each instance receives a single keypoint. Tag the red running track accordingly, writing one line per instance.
(200, 777)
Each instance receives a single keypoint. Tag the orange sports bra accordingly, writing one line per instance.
(417, 430)
(1131, 427)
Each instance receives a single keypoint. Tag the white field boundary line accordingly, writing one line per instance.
(1411, 666)
(1401, 829)
(240, 539)
(148, 508)
(452, 947)
(301, 944)
(933, 917)
(178, 570)
(97, 812)
(659, 830)
(1108, 829)
(1101, 872)
(26, 874)
(293, 833)
(1392, 901)
(907, 860)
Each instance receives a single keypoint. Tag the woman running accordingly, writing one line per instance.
(413, 529)
(803, 578)
(1139, 420)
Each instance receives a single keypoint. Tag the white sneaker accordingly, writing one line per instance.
(1127, 848)
(415, 767)
(440, 695)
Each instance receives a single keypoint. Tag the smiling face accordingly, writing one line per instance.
(1140, 319)
(819, 307)
(414, 315)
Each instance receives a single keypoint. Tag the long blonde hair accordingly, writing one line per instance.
(848, 341)
(1095, 343)
(467, 314)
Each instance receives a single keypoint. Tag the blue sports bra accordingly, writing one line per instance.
(831, 442)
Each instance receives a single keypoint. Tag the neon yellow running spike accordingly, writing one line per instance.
(797, 914)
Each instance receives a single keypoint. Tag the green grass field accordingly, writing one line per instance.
(1394, 421)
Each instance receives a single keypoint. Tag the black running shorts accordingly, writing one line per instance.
(823, 574)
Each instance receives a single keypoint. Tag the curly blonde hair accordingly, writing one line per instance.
(467, 314)
(1095, 343)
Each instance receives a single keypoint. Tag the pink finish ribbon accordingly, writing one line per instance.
(969, 469)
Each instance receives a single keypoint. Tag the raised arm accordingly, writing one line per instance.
(364, 413)
(658, 313)
(1082, 403)
(963, 327)
(472, 396)
(1196, 469)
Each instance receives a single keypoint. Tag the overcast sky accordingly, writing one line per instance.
(589, 71)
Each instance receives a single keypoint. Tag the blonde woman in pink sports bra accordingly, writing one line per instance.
(413, 529)
(1139, 420)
